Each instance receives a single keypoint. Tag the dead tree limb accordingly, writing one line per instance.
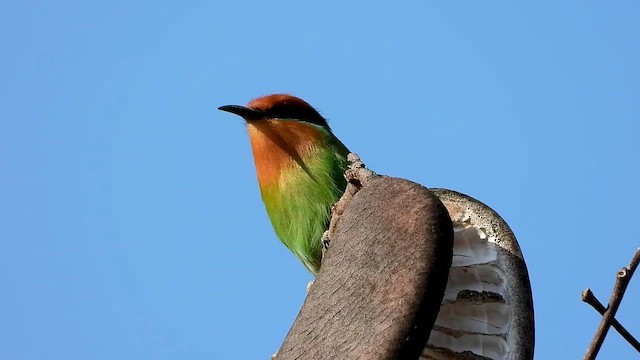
(383, 278)
(591, 299)
(381, 292)
(623, 277)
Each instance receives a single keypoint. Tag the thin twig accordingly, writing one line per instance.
(591, 299)
(622, 280)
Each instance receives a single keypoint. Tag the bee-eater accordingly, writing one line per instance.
(300, 166)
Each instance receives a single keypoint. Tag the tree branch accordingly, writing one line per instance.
(591, 299)
(622, 281)
(383, 277)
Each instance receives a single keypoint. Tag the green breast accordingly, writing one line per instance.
(299, 205)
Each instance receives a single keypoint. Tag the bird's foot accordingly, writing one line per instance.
(308, 287)
(325, 241)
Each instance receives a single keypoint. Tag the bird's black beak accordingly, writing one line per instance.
(243, 111)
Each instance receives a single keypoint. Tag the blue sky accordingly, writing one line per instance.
(131, 225)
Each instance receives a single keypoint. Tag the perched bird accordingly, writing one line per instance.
(300, 165)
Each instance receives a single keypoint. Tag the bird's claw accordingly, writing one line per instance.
(309, 284)
(325, 241)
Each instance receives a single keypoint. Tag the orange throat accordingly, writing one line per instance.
(278, 145)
